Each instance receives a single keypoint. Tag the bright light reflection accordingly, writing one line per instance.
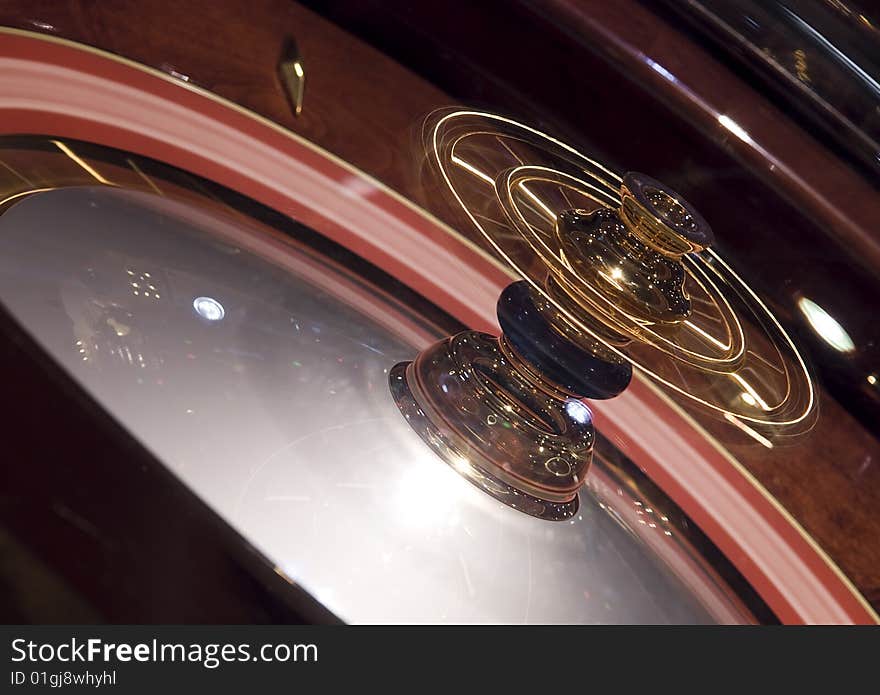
(750, 391)
(429, 493)
(208, 308)
(577, 411)
(827, 328)
(656, 67)
(734, 128)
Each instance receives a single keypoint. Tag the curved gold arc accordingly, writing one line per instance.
(512, 178)
(440, 145)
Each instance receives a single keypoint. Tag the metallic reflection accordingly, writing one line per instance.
(729, 355)
(293, 75)
(81, 162)
(578, 411)
(209, 309)
(289, 433)
(735, 128)
(826, 326)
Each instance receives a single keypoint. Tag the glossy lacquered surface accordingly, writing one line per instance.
(263, 389)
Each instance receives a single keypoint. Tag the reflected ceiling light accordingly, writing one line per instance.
(734, 128)
(826, 326)
(656, 67)
(749, 398)
(578, 412)
(750, 394)
(428, 494)
(208, 308)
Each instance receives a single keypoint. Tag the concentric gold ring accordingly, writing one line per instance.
(730, 356)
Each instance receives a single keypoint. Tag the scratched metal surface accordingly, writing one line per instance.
(268, 397)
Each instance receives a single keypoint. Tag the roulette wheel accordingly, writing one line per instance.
(341, 314)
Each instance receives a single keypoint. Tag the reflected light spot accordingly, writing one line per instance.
(826, 326)
(578, 412)
(734, 128)
(754, 398)
(428, 495)
(656, 67)
(461, 464)
(209, 308)
(872, 379)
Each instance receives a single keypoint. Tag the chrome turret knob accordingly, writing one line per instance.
(632, 256)
(507, 412)
(661, 218)
(616, 274)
